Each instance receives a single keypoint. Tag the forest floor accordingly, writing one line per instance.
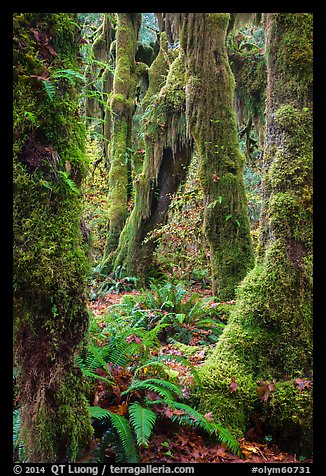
(187, 445)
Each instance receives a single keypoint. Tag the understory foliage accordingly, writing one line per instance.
(135, 387)
(169, 180)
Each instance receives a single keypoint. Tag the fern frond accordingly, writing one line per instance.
(182, 360)
(152, 363)
(49, 89)
(71, 184)
(98, 413)
(69, 74)
(121, 425)
(225, 436)
(210, 427)
(171, 387)
(142, 420)
(152, 386)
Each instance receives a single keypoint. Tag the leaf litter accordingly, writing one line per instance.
(187, 445)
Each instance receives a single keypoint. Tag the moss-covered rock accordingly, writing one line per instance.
(50, 258)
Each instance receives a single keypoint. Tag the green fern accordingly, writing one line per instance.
(71, 184)
(70, 75)
(142, 420)
(32, 118)
(121, 425)
(165, 389)
(50, 89)
(210, 427)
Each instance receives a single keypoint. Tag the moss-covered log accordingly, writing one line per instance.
(269, 335)
(50, 259)
(168, 150)
(122, 108)
(211, 121)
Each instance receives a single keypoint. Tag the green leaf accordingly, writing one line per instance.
(69, 74)
(212, 205)
(32, 118)
(228, 217)
(142, 421)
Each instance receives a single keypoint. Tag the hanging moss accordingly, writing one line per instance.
(269, 334)
(248, 64)
(50, 259)
(211, 121)
(167, 155)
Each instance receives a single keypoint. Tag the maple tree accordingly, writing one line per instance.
(162, 237)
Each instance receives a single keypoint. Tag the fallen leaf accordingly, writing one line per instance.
(264, 390)
(302, 384)
(233, 386)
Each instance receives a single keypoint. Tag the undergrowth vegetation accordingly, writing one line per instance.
(135, 388)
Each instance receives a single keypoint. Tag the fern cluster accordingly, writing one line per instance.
(123, 355)
(183, 317)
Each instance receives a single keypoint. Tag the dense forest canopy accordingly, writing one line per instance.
(162, 237)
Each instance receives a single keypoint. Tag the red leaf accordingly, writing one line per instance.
(233, 386)
(51, 50)
(302, 384)
(36, 34)
(209, 416)
(134, 338)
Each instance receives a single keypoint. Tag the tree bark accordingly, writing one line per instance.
(168, 150)
(211, 121)
(268, 340)
(50, 259)
(122, 109)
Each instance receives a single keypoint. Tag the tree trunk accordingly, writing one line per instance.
(168, 150)
(50, 259)
(268, 339)
(122, 109)
(211, 121)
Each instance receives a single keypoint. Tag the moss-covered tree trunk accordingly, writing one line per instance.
(103, 78)
(269, 336)
(168, 150)
(211, 121)
(50, 260)
(122, 109)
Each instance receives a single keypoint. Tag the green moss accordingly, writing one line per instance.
(50, 258)
(248, 64)
(212, 124)
(165, 130)
(269, 334)
(157, 72)
(288, 416)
